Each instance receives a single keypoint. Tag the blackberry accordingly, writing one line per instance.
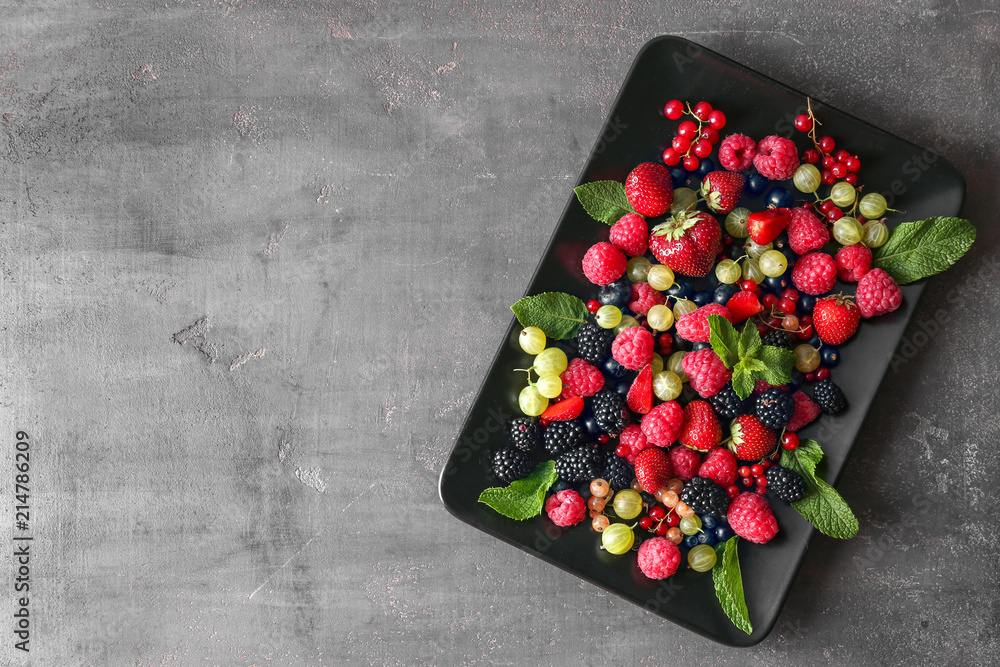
(578, 465)
(610, 410)
(525, 434)
(560, 437)
(774, 409)
(593, 343)
(830, 397)
(779, 338)
(784, 484)
(618, 473)
(511, 464)
(727, 404)
(705, 497)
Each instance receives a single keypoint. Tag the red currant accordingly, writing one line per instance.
(825, 206)
(769, 301)
(672, 520)
(822, 373)
(757, 470)
(841, 155)
(774, 322)
(828, 161)
(791, 294)
(811, 156)
(786, 306)
(851, 178)
(691, 162)
(852, 163)
(631, 459)
(748, 285)
(593, 305)
(827, 144)
(710, 134)
(860, 218)
(688, 129)
(662, 529)
(839, 170)
(680, 144)
(674, 109)
(810, 376)
(603, 438)
(702, 148)
(744, 471)
(826, 177)
(747, 481)
(671, 156)
(761, 490)
(645, 523)
(717, 119)
(666, 343)
(805, 333)
(834, 214)
(761, 481)
(789, 440)
(806, 319)
(732, 491)
(702, 110)
(727, 239)
(765, 464)
(657, 513)
(803, 123)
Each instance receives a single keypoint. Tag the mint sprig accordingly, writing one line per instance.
(605, 201)
(747, 356)
(920, 249)
(558, 314)
(523, 498)
(728, 582)
(822, 506)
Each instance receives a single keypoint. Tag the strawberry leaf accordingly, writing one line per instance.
(558, 314)
(523, 498)
(728, 582)
(724, 339)
(605, 201)
(917, 250)
(822, 506)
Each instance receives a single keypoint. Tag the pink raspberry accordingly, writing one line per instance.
(806, 232)
(806, 410)
(566, 508)
(706, 372)
(686, 462)
(633, 348)
(752, 518)
(815, 273)
(760, 386)
(736, 152)
(645, 297)
(877, 294)
(633, 438)
(662, 424)
(581, 379)
(777, 158)
(630, 234)
(720, 466)
(659, 558)
(604, 263)
(853, 262)
(694, 326)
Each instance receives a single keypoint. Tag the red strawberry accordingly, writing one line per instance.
(640, 395)
(687, 242)
(720, 466)
(722, 190)
(564, 410)
(701, 431)
(653, 469)
(743, 305)
(835, 319)
(649, 189)
(765, 226)
(752, 441)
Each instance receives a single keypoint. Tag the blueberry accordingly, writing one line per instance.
(815, 341)
(705, 538)
(806, 304)
(723, 293)
(790, 256)
(830, 355)
(779, 197)
(591, 427)
(614, 369)
(560, 485)
(781, 242)
(723, 533)
(777, 284)
(622, 387)
(679, 289)
(702, 298)
(708, 522)
(756, 184)
(618, 293)
(679, 175)
(796, 381)
(735, 251)
(681, 345)
(691, 541)
(705, 167)
(700, 346)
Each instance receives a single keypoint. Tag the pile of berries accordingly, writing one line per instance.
(638, 410)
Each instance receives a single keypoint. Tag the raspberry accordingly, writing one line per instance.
(806, 232)
(806, 410)
(694, 326)
(815, 273)
(853, 262)
(751, 518)
(630, 234)
(720, 466)
(685, 462)
(633, 438)
(736, 152)
(633, 348)
(566, 508)
(706, 372)
(581, 379)
(645, 297)
(777, 158)
(659, 558)
(604, 263)
(760, 386)
(877, 294)
(662, 424)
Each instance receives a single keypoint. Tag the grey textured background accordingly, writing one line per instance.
(257, 256)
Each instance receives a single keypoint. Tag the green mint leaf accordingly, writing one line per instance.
(524, 498)
(558, 314)
(822, 506)
(755, 366)
(728, 582)
(742, 381)
(749, 341)
(724, 339)
(917, 250)
(605, 201)
(778, 362)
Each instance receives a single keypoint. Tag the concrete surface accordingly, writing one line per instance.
(257, 256)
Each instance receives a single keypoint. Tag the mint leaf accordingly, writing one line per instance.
(822, 506)
(749, 341)
(558, 314)
(724, 339)
(742, 382)
(605, 201)
(755, 366)
(778, 362)
(917, 250)
(524, 498)
(728, 582)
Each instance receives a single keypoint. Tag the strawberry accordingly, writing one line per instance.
(701, 431)
(836, 318)
(722, 190)
(743, 305)
(765, 226)
(687, 242)
(564, 410)
(719, 466)
(649, 189)
(752, 441)
(653, 469)
(640, 395)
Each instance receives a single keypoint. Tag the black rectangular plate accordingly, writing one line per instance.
(636, 131)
